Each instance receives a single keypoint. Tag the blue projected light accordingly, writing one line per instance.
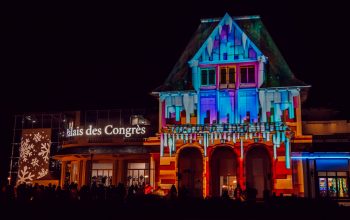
(321, 157)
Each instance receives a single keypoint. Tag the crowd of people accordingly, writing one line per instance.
(26, 192)
(138, 201)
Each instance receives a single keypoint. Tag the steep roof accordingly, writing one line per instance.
(180, 76)
(278, 72)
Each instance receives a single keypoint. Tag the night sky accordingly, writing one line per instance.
(72, 57)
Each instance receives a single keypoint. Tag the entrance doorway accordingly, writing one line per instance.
(258, 170)
(102, 174)
(190, 172)
(138, 174)
(223, 164)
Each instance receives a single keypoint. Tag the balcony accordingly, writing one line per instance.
(233, 128)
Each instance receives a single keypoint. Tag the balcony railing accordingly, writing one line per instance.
(235, 128)
(206, 135)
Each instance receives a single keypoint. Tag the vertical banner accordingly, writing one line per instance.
(34, 155)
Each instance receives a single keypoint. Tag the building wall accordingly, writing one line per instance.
(227, 74)
(326, 127)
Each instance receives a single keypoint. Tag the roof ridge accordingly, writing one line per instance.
(246, 17)
(209, 20)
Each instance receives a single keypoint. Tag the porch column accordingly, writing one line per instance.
(82, 172)
(63, 173)
(115, 173)
(120, 171)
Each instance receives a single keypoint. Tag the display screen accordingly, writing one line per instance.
(333, 184)
(323, 187)
(343, 187)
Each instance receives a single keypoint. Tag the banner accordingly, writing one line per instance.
(34, 155)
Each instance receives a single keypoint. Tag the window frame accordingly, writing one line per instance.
(247, 67)
(227, 83)
(208, 76)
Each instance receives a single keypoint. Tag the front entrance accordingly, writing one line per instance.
(190, 172)
(102, 174)
(258, 170)
(223, 164)
(138, 174)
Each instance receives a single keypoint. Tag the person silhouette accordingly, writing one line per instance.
(173, 192)
(238, 192)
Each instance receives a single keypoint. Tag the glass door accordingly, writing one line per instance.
(228, 185)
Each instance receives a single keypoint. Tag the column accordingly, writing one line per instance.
(63, 172)
(120, 171)
(83, 172)
(152, 172)
(160, 113)
(298, 118)
(80, 174)
(115, 173)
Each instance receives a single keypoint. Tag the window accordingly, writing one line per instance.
(333, 184)
(247, 74)
(138, 174)
(208, 77)
(227, 75)
(102, 174)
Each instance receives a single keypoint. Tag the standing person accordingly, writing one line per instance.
(238, 192)
(173, 192)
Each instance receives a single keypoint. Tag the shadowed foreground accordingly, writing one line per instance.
(154, 207)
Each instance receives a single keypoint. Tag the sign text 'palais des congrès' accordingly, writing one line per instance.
(106, 130)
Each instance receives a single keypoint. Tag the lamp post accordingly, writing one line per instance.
(91, 151)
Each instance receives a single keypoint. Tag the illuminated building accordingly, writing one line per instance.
(325, 161)
(36, 137)
(230, 113)
(105, 147)
(101, 146)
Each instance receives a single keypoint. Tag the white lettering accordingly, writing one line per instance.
(81, 131)
(89, 130)
(128, 132)
(94, 131)
(138, 129)
(107, 130)
(115, 130)
(99, 131)
(121, 130)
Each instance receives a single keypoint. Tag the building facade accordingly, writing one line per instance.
(325, 162)
(229, 113)
(36, 137)
(102, 147)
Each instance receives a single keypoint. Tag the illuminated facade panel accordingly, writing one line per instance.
(246, 102)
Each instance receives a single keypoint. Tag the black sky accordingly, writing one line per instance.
(68, 57)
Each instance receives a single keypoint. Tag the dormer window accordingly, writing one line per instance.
(208, 77)
(227, 77)
(247, 74)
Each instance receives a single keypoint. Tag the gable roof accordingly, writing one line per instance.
(180, 76)
(278, 73)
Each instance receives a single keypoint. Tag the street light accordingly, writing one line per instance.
(91, 151)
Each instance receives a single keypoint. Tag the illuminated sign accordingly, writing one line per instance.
(106, 130)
